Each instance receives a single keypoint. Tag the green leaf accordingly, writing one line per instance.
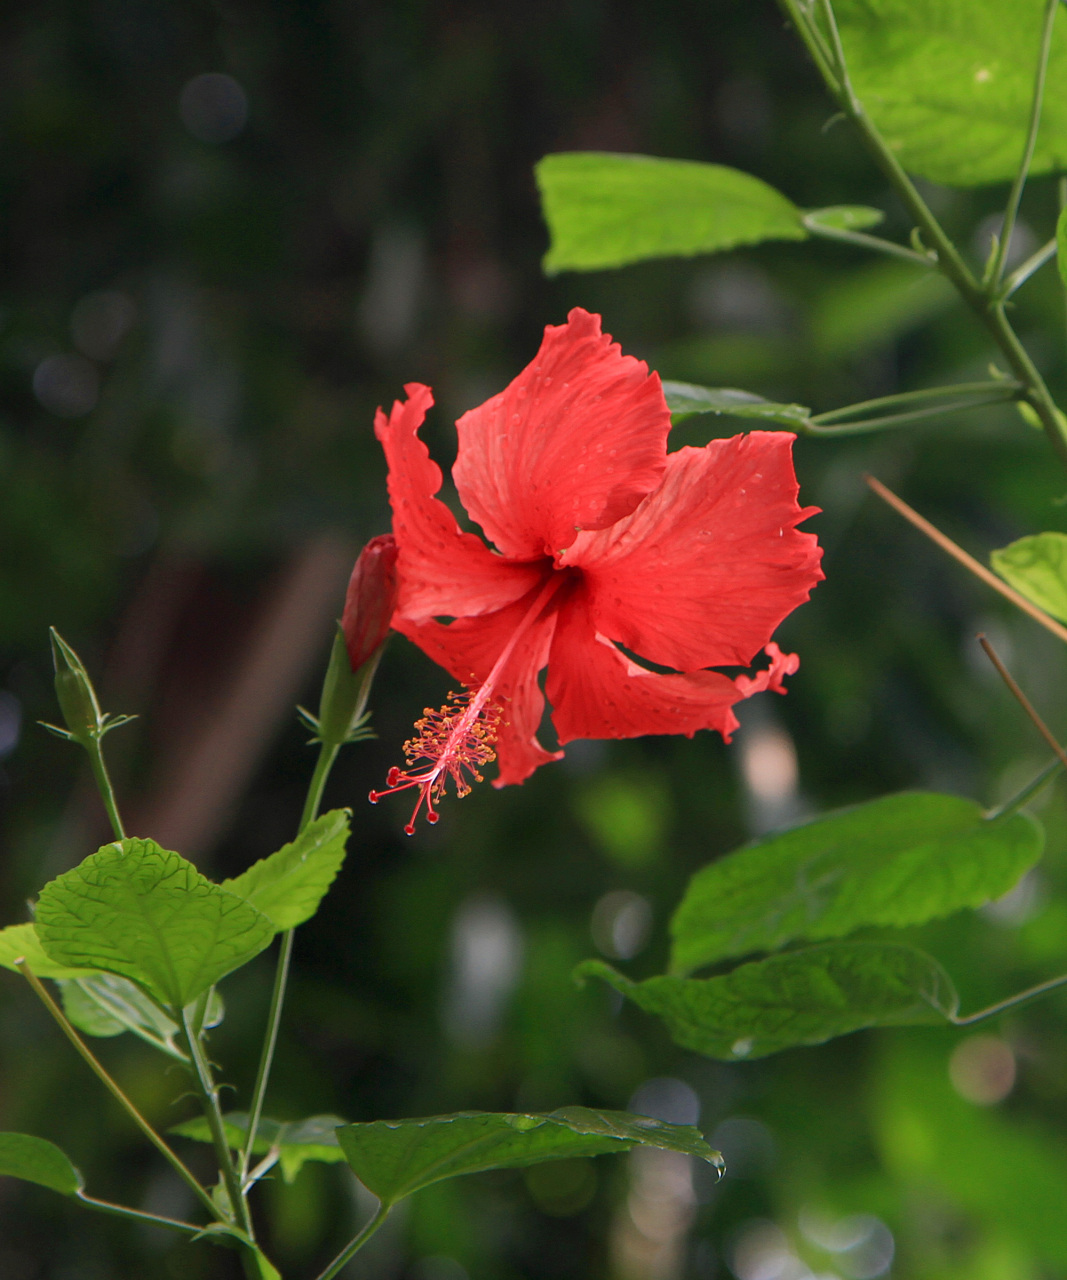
(37, 1160)
(899, 860)
(393, 1158)
(297, 1141)
(289, 885)
(845, 217)
(685, 399)
(20, 942)
(950, 84)
(606, 210)
(800, 998)
(146, 914)
(1037, 568)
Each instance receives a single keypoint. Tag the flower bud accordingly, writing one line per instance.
(371, 599)
(74, 691)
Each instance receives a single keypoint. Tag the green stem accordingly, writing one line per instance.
(327, 755)
(95, 751)
(209, 1101)
(864, 241)
(987, 307)
(1011, 210)
(121, 1211)
(353, 1247)
(1034, 263)
(1012, 1002)
(989, 393)
(114, 1089)
(1023, 797)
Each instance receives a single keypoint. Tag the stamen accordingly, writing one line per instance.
(458, 741)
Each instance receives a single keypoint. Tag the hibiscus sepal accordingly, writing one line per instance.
(343, 716)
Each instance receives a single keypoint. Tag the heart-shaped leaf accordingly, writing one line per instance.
(899, 860)
(800, 998)
(146, 914)
(393, 1158)
(289, 885)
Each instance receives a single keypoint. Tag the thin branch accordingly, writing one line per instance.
(353, 1247)
(1012, 1002)
(140, 1215)
(1011, 211)
(1024, 796)
(864, 241)
(968, 562)
(1023, 700)
(1002, 389)
(114, 1089)
(1034, 263)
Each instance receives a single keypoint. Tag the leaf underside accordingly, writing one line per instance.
(298, 1141)
(684, 399)
(1037, 568)
(393, 1159)
(799, 998)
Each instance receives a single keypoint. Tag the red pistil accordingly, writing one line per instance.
(459, 739)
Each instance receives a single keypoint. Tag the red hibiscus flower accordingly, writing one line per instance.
(605, 545)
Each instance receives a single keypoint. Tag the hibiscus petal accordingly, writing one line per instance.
(710, 562)
(575, 442)
(597, 692)
(468, 649)
(443, 571)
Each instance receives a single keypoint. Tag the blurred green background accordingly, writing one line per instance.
(229, 232)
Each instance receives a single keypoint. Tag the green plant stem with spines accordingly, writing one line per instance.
(327, 755)
(986, 300)
(116, 1091)
(353, 1247)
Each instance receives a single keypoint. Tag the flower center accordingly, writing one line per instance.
(458, 740)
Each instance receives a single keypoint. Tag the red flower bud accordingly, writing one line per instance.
(371, 599)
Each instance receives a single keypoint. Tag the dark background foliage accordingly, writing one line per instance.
(228, 233)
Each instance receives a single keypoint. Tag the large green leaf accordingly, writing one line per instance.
(606, 210)
(297, 1141)
(289, 885)
(801, 997)
(20, 942)
(950, 82)
(393, 1158)
(898, 860)
(37, 1160)
(1037, 568)
(685, 399)
(146, 914)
